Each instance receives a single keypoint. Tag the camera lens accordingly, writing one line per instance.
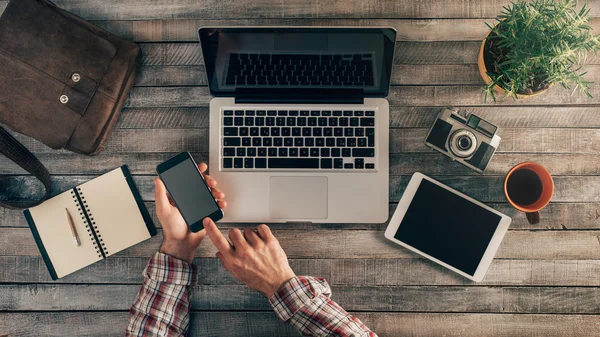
(463, 143)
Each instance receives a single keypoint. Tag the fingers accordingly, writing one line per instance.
(217, 194)
(160, 196)
(217, 237)
(210, 181)
(237, 239)
(265, 233)
(222, 204)
(252, 238)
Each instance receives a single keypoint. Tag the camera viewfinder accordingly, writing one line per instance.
(473, 121)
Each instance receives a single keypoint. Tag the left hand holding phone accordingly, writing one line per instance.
(178, 240)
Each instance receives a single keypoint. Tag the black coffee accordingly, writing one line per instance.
(524, 187)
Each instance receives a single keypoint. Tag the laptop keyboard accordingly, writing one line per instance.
(292, 139)
(354, 70)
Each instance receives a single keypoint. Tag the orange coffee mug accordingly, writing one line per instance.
(529, 188)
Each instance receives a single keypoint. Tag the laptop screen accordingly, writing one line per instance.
(298, 61)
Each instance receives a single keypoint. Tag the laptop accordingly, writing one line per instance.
(299, 123)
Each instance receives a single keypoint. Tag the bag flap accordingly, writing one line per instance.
(36, 33)
(30, 103)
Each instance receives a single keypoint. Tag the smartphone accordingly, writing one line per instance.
(189, 190)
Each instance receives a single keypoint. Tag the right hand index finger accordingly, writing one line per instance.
(216, 236)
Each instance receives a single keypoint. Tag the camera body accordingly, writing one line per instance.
(464, 137)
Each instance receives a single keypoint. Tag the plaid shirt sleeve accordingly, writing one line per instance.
(304, 303)
(162, 306)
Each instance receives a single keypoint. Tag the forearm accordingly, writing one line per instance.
(162, 306)
(304, 303)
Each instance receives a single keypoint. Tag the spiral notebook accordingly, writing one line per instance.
(108, 215)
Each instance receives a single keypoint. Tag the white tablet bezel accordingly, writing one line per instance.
(405, 202)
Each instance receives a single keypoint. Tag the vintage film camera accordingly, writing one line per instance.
(464, 137)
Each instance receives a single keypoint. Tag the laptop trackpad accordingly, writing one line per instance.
(298, 197)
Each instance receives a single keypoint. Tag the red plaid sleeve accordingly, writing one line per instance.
(304, 303)
(162, 306)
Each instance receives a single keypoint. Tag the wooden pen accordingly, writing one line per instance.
(73, 230)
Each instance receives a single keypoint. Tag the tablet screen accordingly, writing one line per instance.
(447, 227)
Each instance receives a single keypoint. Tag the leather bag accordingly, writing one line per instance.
(63, 82)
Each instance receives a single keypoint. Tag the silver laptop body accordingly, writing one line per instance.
(299, 130)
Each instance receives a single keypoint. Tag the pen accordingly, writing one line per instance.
(73, 231)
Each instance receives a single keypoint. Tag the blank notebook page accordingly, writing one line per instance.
(54, 231)
(114, 212)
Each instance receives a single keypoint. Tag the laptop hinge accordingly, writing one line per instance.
(281, 99)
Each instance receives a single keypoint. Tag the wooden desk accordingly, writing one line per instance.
(544, 281)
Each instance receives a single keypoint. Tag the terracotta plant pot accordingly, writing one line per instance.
(488, 80)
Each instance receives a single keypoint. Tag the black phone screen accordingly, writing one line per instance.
(189, 191)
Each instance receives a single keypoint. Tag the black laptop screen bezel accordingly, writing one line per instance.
(209, 51)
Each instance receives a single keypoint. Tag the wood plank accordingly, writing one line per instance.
(444, 74)
(504, 117)
(266, 324)
(403, 74)
(482, 188)
(164, 118)
(71, 163)
(446, 52)
(406, 140)
(400, 163)
(399, 96)
(356, 272)
(531, 300)
(229, 9)
(406, 53)
(533, 245)
(400, 117)
(407, 29)
(457, 95)
(156, 76)
(556, 216)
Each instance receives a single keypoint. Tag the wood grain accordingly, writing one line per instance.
(400, 117)
(266, 324)
(406, 53)
(400, 163)
(531, 245)
(537, 300)
(482, 188)
(185, 30)
(156, 76)
(435, 74)
(354, 272)
(399, 96)
(556, 216)
(229, 9)
(407, 140)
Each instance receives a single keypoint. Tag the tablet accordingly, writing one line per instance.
(447, 227)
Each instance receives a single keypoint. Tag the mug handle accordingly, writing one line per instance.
(533, 218)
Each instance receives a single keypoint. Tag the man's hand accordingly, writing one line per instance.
(179, 241)
(254, 257)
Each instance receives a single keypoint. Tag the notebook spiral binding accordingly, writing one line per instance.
(90, 226)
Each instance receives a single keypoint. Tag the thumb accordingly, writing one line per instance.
(198, 235)
(160, 197)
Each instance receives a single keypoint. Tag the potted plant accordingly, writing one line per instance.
(534, 45)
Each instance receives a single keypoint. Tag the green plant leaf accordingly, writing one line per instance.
(540, 42)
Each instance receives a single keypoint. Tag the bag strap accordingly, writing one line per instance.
(16, 152)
